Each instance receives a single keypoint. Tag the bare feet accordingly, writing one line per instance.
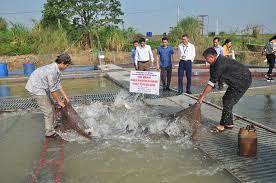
(221, 128)
(218, 129)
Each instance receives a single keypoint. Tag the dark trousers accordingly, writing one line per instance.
(187, 67)
(271, 62)
(230, 98)
(166, 75)
(220, 83)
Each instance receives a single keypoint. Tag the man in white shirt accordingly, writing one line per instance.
(187, 55)
(143, 56)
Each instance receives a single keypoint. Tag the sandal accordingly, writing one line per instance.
(229, 127)
(215, 129)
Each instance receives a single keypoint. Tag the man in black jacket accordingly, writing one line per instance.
(235, 75)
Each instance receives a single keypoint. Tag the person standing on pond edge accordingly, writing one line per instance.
(143, 56)
(164, 62)
(217, 47)
(133, 51)
(219, 50)
(236, 76)
(227, 48)
(187, 55)
(44, 81)
(270, 49)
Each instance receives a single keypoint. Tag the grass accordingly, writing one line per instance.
(46, 40)
(20, 40)
(17, 39)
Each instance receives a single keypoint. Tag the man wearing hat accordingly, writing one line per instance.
(44, 81)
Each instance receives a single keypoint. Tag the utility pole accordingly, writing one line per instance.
(217, 27)
(178, 13)
(123, 25)
(202, 17)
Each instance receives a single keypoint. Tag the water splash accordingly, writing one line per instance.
(128, 118)
(72, 136)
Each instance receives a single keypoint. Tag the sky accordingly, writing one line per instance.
(158, 16)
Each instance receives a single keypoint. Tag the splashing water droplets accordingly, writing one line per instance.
(126, 118)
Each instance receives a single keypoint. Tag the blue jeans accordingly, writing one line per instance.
(187, 67)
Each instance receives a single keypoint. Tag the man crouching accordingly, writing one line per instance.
(235, 75)
(45, 80)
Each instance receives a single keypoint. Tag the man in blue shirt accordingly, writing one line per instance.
(217, 47)
(219, 50)
(133, 51)
(164, 62)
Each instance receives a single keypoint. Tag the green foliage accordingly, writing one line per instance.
(131, 34)
(190, 26)
(49, 40)
(54, 15)
(5, 37)
(19, 40)
(3, 24)
(94, 12)
(15, 41)
(222, 34)
(154, 44)
(241, 57)
(78, 17)
(111, 38)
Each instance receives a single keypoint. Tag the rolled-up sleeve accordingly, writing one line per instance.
(211, 83)
(54, 82)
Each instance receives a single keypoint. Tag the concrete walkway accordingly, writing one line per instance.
(64, 75)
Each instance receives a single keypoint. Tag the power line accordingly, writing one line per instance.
(19, 13)
(148, 11)
(133, 12)
(202, 17)
(267, 28)
(126, 13)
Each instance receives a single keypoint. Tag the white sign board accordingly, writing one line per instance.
(146, 82)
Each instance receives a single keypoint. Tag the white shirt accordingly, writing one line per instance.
(143, 54)
(43, 79)
(187, 52)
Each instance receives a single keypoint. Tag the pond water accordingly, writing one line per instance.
(260, 108)
(71, 86)
(114, 154)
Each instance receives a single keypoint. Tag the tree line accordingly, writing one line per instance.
(88, 24)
